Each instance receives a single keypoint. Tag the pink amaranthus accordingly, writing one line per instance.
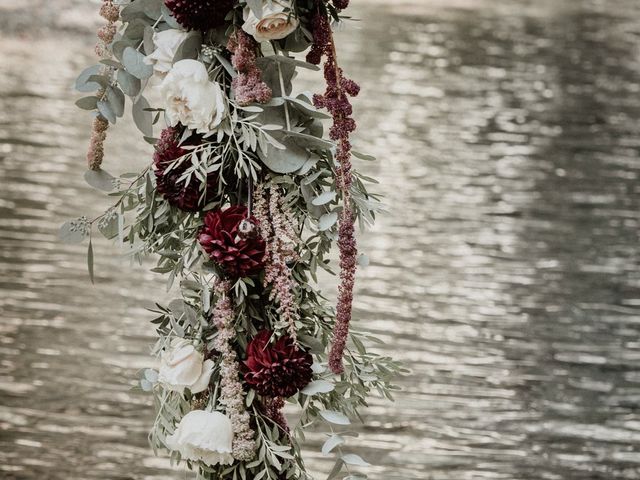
(248, 84)
(336, 101)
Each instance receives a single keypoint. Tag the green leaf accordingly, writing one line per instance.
(133, 61)
(337, 418)
(332, 442)
(288, 160)
(129, 84)
(106, 111)
(335, 471)
(353, 459)
(82, 82)
(363, 260)
(324, 198)
(318, 386)
(100, 179)
(143, 118)
(327, 221)
(189, 47)
(68, 236)
(116, 100)
(90, 260)
(87, 103)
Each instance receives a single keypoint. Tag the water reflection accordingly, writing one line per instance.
(505, 274)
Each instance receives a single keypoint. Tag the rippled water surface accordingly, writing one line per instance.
(505, 276)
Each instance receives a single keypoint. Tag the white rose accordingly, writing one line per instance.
(167, 44)
(191, 98)
(274, 23)
(182, 366)
(203, 436)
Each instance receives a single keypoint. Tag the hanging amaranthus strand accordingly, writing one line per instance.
(336, 101)
(105, 34)
(278, 229)
(232, 394)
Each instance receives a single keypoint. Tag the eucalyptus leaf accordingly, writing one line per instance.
(133, 61)
(106, 111)
(189, 48)
(129, 84)
(142, 117)
(87, 103)
(288, 160)
(324, 198)
(318, 386)
(100, 179)
(327, 221)
(116, 100)
(332, 442)
(353, 459)
(337, 418)
(82, 82)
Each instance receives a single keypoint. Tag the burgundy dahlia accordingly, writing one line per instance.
(277, 369)
(175, 191)
(199, 14)
(225, 239)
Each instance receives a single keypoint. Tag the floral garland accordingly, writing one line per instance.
(241, 204)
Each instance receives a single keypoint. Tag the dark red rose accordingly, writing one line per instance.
(185, 197)
(225, 240)
(277, 369)
(199, 14)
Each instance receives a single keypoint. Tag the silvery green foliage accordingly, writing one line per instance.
(278, 144)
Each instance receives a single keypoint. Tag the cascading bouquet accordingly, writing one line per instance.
(241, 203)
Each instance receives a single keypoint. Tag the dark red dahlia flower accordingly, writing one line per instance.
(277, 369)
(199, 14)
(225, 238)
(177, 193)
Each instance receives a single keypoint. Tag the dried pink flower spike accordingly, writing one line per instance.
(336, 101)
(278, 229)
(232, 393)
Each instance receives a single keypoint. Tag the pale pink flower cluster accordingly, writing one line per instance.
(232, 394)
(278, 229)
(95, 154)
(110, 13)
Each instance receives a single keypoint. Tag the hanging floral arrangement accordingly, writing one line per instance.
(240, 203)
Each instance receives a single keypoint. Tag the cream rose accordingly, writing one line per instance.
(274, 23)
(182, 366)
(167, 43)
(191, 98)
(203, 436)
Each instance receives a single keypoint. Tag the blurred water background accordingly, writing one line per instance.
(505, 276)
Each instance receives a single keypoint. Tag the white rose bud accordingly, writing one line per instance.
(191, 98)
(203, 436)
(274, 23)
(182, 366)
(167, 43)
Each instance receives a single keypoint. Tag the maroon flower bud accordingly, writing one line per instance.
(226, 245)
